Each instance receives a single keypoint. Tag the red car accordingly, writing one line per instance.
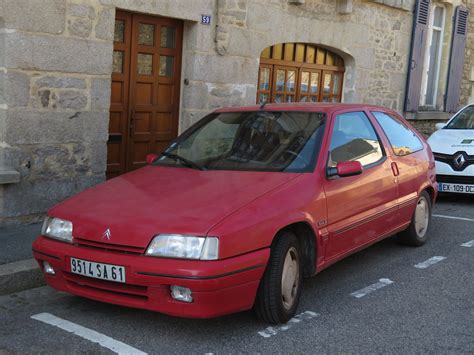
(240, 208)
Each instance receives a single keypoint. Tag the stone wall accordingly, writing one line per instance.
(373, 39)
(56, 62)
(426, 127)
(55, 80)
(56, 74)
(467, 89)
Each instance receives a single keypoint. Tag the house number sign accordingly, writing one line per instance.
(205, 19)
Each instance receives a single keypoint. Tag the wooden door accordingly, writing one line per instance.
(145, 89)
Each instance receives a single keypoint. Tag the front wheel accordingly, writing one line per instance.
(416, 233)
(279, 291)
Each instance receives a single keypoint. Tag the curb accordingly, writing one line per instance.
(19, 276)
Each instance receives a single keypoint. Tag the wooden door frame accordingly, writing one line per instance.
(123, 77)
(129, 78)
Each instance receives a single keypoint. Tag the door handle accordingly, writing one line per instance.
(132, 118)
(395, 170)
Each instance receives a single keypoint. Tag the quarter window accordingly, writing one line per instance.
(354, 139)
(402, 139)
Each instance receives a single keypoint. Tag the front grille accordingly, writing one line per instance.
(453, 179)
(131, 292)
(108, 247)
(451, 159)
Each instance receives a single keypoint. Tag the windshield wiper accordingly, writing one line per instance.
(186, 162)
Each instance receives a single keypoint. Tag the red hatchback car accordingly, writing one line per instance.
(240, 208)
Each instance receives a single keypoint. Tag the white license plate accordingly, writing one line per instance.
(98, 270)
(456, 188)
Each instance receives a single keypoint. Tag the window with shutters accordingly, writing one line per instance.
(433, 57)
(417, 54)
(456, 60)
(291, 72)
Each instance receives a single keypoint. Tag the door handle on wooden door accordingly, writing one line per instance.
(131, 125)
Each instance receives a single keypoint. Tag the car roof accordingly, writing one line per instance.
(303, 106)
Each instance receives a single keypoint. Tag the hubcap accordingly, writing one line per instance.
(421, 217)
(290, 278)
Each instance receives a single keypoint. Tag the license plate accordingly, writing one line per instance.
(98, 270)
(456, 188)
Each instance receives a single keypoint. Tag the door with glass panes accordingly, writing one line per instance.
(145, 89)
(292, 72)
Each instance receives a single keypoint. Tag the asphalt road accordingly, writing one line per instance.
(423, 309)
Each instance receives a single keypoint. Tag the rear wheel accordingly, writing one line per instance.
(417, 232)
(279, 291)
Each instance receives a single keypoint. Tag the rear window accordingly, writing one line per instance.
(402, 139)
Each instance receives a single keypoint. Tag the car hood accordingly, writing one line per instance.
(450, 141)
(152, 200)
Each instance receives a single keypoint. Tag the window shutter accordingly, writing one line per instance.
(417, 54)
(456, 60)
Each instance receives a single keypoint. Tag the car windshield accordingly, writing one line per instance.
(284, 141)
(463, 120)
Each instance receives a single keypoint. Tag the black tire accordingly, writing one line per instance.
(411, 236)
(270, 304)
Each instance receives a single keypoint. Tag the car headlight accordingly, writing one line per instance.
(57, 228)
(184, 247)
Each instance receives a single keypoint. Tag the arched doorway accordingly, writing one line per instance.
(291, 72)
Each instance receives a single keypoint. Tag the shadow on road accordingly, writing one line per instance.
(460, 200)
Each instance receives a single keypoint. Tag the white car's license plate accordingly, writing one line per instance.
(98, 270)
(457, 188)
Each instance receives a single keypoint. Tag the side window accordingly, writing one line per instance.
(354, 139)
(402, 139)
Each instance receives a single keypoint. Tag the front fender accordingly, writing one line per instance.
(254, 226)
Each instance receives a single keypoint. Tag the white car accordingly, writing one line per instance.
(453, 149)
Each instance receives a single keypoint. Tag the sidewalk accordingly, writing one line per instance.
(18, 269)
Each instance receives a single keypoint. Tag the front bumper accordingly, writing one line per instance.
(219, 287)
(445, 169)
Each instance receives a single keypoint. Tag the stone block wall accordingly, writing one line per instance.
(426, 127)
(55, 85)
(56, 74)
(467, 89)
(373, 38)
(56, 62)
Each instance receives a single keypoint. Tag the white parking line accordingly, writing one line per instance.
(89, 334)
(468, 244)
(452, 217)
(369, 289)
(429, 262)
(271, 331)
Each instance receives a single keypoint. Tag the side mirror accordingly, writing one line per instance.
(440, 125)
(150, 158)
(349, 168)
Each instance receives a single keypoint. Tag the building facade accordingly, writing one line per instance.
(89, 87)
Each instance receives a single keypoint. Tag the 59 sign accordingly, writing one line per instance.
(205, 19)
